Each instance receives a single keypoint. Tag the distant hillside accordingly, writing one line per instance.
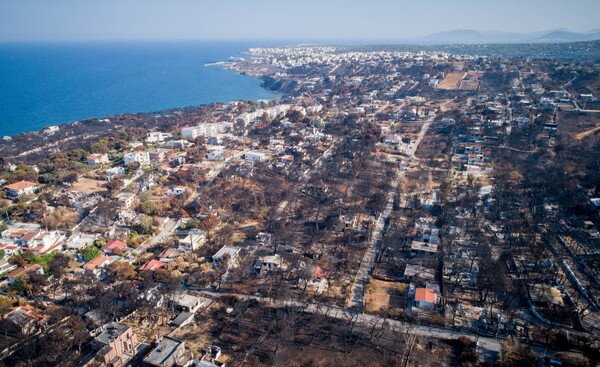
(467, 36)
(588, 51)
(565, 36)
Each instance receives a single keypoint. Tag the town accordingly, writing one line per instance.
(389, 208)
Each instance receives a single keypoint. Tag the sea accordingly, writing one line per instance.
(43, 84)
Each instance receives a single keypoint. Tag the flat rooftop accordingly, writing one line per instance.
(111, 332)
(423, 246)
(165, 348)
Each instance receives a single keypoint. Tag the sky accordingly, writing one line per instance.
(80, 20)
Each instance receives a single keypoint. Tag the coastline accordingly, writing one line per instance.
(171, 77)
(34, 144)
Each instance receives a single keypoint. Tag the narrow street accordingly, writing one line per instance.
(356, 299)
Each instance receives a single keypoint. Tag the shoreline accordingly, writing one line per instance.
(170, 78)
(31, 145)
(4, 139)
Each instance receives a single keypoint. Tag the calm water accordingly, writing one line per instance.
(49, 84)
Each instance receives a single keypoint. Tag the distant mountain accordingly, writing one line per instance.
(468, 36)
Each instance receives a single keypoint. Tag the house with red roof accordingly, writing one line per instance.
(18, 189)
(95, 266)
(27, 318)
(9, 249)
(97, 159)
(30, 269)
(114, 247)
(425, 298)
(152, 265)
(40, 241)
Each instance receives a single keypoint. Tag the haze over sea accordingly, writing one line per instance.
(44, 84)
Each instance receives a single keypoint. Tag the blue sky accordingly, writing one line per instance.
(52, 20)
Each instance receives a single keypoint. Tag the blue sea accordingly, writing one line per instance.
(44, 84)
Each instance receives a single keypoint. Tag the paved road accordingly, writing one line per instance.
(368, 260)
(168, 226)
(484, 343)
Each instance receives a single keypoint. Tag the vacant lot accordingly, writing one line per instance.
(385, 296)
(451, 81)
(88, 186)
(470, 81)
(469, 84)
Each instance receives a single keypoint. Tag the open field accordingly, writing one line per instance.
(451, 81)
(470, 81)
(88, 186)
(382, 296)
(469, 85)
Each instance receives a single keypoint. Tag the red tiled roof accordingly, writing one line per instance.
(170, 252)
(49, 250)
(18, 234)
(320, 273)
(424, 294)
(152, 265)
(8, 247)
(93, 264)
(37, 248)
(115, 245)
(20, 185)
(21, 271)
(30, 235)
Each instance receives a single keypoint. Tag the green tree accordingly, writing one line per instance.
(22, 286)
(90, 252)
(148, 207)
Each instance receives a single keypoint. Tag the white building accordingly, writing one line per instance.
(115, 171)
(18, 189)
(157, 137)
(96, 159)
(254, 156)
(269, 263)
(215, 153)
(143, 158)
(176, 191)
(194, 240)
(225, 251)
(206, 130)
(126, 199)
(191, 132)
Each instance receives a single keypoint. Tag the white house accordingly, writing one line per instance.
(49, 130)
(126, 199)
(194, 240)
(191, 132)
(40, 241)
(176, 191)
(228, 251)
(254, 156)
(269, 263)
(215, 153)
(143, 158)
(18, 189)
(96, 159)
(30, 269)
(157, 137)
(115, 171)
